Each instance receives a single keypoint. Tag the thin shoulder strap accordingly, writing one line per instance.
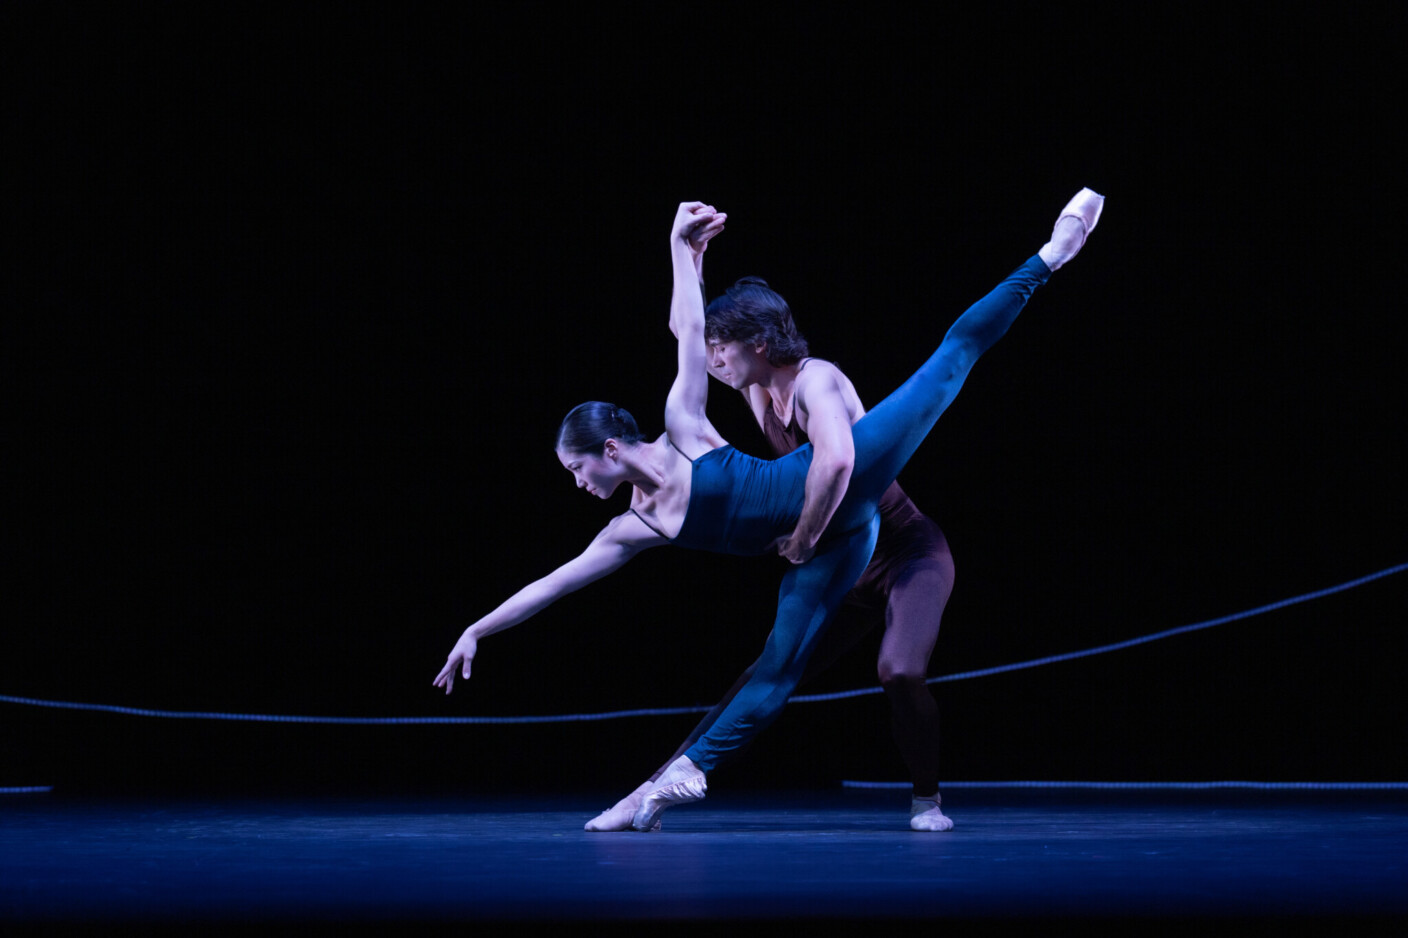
(649, 525)
(678, 450)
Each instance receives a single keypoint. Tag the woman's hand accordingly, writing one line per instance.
(696, 223)
(461, 658)
(618, 542)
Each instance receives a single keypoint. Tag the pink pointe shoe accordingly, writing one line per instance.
(1084, 208)
(619, 816)
(682, 783)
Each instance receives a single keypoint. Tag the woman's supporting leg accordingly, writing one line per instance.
(806, 601)
(808, 598)
(831, 646)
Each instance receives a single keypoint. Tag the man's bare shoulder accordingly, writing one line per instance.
(819, 370)
(823, 384)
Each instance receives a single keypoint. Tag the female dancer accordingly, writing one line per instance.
(691, 489)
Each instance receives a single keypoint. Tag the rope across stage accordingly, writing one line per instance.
(677, 711)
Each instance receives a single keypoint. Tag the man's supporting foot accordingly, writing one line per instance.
(926, 814)
(682, 783)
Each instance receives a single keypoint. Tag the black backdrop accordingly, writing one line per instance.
(304, 296)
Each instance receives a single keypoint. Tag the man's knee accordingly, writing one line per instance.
(899, 676)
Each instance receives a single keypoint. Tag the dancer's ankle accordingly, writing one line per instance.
(681, 768)
(1066, 242)
(926, 814)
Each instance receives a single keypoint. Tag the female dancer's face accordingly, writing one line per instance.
(599, 475)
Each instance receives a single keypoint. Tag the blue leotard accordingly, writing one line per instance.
(737, 502)
(740, 504)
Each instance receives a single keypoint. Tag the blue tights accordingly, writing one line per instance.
(885, 439)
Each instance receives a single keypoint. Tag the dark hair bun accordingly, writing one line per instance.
(588, 426)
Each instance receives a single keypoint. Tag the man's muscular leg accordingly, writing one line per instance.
(912, 620)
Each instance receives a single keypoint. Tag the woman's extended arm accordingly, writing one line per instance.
(621, 540)
(685, 420)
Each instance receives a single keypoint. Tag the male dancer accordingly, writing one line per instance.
(754, 347)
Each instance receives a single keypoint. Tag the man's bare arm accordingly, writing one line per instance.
(820, 397)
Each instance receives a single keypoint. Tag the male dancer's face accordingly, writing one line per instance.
(736, 364)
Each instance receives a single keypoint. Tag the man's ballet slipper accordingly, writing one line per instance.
(1086, 207)
(667, 796)
(925, 814)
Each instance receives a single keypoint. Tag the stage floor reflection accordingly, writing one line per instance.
(1014, 857)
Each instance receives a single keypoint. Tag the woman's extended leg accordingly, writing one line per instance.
(806, 601)
(885, 439)
(887, 436)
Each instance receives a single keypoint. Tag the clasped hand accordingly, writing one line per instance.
(696, 223)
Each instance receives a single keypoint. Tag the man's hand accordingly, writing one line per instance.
(820, 398)
(793, 549)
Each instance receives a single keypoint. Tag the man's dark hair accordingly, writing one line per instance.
(754, 313)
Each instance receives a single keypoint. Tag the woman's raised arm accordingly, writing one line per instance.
(617, 543)
(695, 223)
(698, 240)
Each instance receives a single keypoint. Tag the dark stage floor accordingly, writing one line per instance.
(1014, 857)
